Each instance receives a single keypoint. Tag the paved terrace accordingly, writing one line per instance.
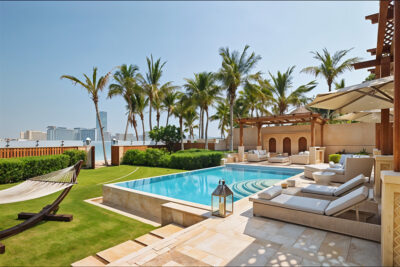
(242, 239)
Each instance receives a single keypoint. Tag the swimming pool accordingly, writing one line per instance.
(197, 186)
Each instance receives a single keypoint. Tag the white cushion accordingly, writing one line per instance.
(256, 152)
(335, 170)
(262, 152)
(343, 158)
(307, 152)
(331, 164)
(306, 204)
(347, 201)
(301, 153)
(319, 189)
(270, 192)
(350, 184)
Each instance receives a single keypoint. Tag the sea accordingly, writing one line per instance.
(99, 149)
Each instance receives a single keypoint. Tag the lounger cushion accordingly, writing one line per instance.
(335, 170)
(270, 192)
(347, 201)
(347, 186)
(319, 189)
(306, 204)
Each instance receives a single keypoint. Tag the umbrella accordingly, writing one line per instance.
(375, 94)
(364, 116)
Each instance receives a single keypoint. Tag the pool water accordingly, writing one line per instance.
(197, 186)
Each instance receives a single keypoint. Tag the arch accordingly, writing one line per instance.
(287, 145)
(302, 144)
(272, 145)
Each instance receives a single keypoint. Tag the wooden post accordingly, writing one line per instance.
(312, 132)
(385, 142)
(258, 134)
(396, 125)
(378, 136)
(322, 133)
(241, 135)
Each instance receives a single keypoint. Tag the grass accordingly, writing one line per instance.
(93, 229)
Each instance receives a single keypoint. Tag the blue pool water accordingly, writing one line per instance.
(197, 186)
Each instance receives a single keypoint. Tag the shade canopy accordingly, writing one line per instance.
(364, 116)
(375, 94)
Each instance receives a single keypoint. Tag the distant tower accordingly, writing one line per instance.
(103, 119)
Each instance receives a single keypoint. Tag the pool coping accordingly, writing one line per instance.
(155, 200)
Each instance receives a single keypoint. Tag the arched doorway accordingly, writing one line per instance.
(302, 144)
(287, 145)
(272, 145)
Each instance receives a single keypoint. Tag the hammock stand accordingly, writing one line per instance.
(48, 213)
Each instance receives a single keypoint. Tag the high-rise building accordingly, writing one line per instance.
(60, 133)
(33, 135)
(103, 119)
(85, 133)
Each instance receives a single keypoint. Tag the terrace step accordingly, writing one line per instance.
(119, 251)
(148, 239)
(90, 261)
(167, 230)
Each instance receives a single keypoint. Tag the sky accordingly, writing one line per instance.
(40, 41)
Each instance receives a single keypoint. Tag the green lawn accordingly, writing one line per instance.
(92, 229)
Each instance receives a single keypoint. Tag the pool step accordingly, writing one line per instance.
(90, 261)
(165, 231)
(119, 251)
(148, 239)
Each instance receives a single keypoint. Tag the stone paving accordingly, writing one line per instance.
(242, 239)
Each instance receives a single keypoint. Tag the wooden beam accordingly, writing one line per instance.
(396, 120)
(385, 66)
(312, 133)
(375, 17)
(322, 134)
(385, 143)
(383, 12)
(386, 49)
(258, 134)
(241, 135)
(369, 63)
(378, 136)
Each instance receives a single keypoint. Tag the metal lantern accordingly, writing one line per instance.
(222, 200)
(88, 141)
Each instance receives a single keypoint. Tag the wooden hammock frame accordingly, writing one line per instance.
(48, 213)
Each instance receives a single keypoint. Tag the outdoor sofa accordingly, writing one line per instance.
(301, 158)
(352, 167)
(341, 215)
(257, 155)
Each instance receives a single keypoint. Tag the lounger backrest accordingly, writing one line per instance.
(350, 184)
(347, 201)
(355, 166)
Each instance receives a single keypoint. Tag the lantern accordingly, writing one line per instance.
(222, 200)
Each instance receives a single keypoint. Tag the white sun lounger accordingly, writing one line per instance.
(321, 213)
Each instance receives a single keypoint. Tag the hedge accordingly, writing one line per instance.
(75, 156)
(187, 160)
(335, 158)
(18, 169)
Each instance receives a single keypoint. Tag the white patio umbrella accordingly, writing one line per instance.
(375, 94)
(365, 116)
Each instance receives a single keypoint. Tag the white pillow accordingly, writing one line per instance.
(256, 152)
(270, 192)
(331, 164)
(301, 153)
(307, 152)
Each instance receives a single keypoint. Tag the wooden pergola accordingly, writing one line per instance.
(387, 51)
(296, 118)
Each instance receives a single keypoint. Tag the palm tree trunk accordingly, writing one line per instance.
(126, 128)
(134, 122)
(201, 110)
(231, 123)
(158, 118)
(167, 118)
(150, 103)
(144, 133)
(180, 125)
(202, 124)
(206, 135)
(101, 132)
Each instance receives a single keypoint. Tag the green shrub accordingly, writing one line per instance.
(153, 156)
(134, 157)
(35, 166)
(17, 169)
(75, 156)
(165, 161)
(335, 158)
(192, 161)
(11, 170)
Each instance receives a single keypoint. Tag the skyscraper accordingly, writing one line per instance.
(103, 119)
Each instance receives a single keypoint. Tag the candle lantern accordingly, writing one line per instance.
(222, 200)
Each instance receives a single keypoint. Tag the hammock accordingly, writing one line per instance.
(39, 186)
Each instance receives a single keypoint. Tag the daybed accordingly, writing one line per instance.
(279, 159)
(257, 155)
(351, 168)
(301, 158)
(341, 215)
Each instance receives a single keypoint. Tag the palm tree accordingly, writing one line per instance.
(234, 71)
(169, 103)
(190, 116)
(132, 110)
(204, 92)
(126, 78)
(93, 87)
(222, 116)
(340, 85)
(181, 107)
(331, 66)
(281, 83)
(141, 103)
